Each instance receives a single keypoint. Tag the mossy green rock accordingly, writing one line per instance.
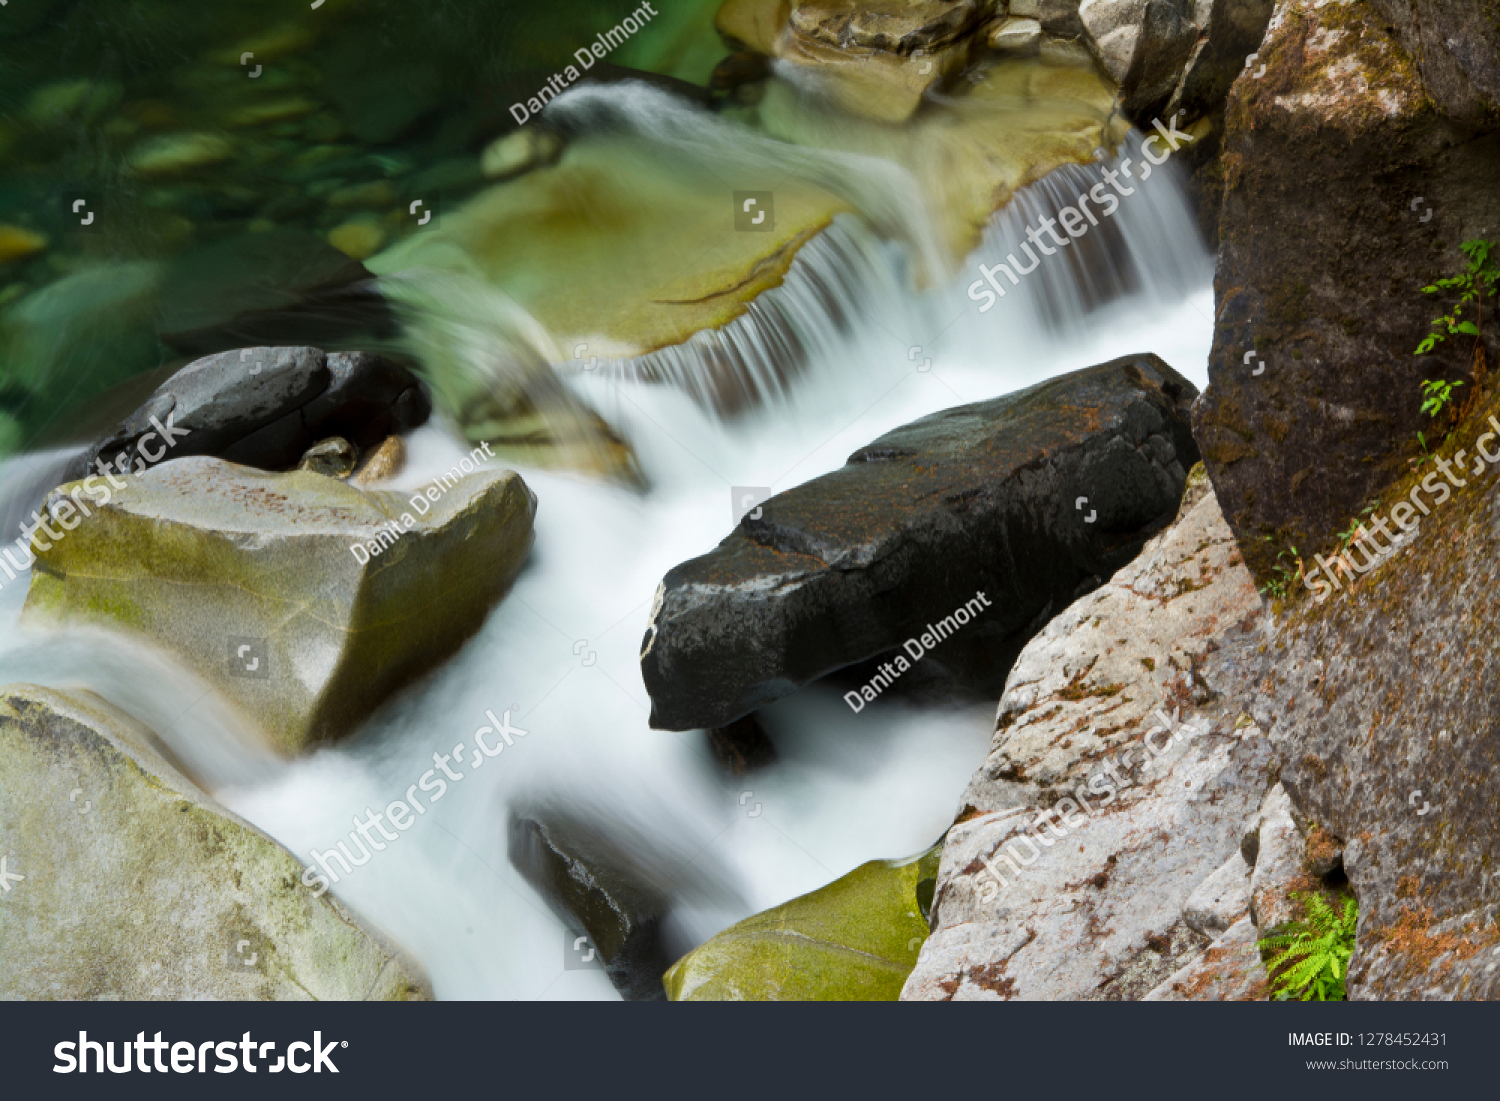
(137, 885)
(854, 940)
(252, 579)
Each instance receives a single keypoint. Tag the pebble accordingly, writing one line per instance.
(16, 242)
(334, 457)
(358, 238)
(519, 152)
(377, 194)
(175, 153)
(384, 462)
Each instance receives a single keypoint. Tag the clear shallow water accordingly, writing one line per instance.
(561, 649)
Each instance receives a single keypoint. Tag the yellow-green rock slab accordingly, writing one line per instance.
(619, 248)
(973, 149)
(854, 940)
(202, 558)
(136, 885)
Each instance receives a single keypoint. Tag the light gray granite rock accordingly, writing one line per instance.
(1119, 780)
(1221, 899)
(1229, 970)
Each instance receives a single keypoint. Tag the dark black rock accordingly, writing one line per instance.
(596, 888)
(742, 746)
(265, 407)
(1167, 39)
(1034, 499)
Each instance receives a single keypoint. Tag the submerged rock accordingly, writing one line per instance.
(283, 286)
(743, 746)
(596, 888)
(301, 598)
(1030, 500)
(853, 940)
(1118, 782)
(138, 886)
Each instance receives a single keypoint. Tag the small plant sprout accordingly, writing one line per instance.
(1474, 285)
(1436, 394)
(1313, 956)
(1286, 569)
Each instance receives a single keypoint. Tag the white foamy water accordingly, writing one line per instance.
(561, 650)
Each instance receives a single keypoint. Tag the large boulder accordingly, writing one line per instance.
(303, 599)
(264, 407)
(853, 940)
(1372, 135)
(138, 886)
(1088, 852)
(1381, 704)
(1003, 511)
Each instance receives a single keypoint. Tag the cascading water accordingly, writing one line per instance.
(560, 652)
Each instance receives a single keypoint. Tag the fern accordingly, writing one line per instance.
(1314, 956)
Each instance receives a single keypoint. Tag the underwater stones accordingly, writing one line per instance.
(302, 599)
(752, 25)
(265, 407)
(16, 242)
(598, 890)
(853, 940)
(359, 238)
(982, 498)
(138, 886)
(284, 286)
(175, 154)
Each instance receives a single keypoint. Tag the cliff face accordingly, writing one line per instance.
(1354, 164)
(1381, 703)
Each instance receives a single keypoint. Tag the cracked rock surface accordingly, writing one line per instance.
(1120, 779)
